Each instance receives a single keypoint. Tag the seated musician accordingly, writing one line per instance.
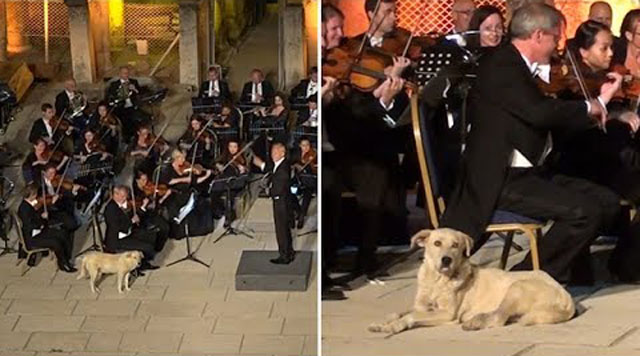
(461, 13)
(91, 149)
(215, 87)
(275, 116)
(146, 150)
(228, 118)
(180, 176)
(488, 20)
(257, 91)
(149, 197)
(309, 116)
(123, 95)
(107, 127)
(55, 184)
(69, 102)
(205, 149)
(45, 127)
(305, 89)
(627, 49)
(41, 155)
(38, 233)
(123, 228)
(230, 164)
(509, 142)
(306, 163)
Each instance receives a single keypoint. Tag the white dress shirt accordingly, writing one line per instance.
(35, 232)
(122, 235)
(312, 88)
(214, 88)
(47, 125)
(128, 103)
(255, 91)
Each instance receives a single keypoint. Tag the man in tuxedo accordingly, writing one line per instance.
(601, 11)
(305, 89)
(43, 127)
(39, 234)
(257, 91)
(215, 87)
(123, 94)
(122, 233)
(279, 170)
(509, 140)
(63, 104)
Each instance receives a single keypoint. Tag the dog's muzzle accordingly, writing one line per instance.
(445, 262)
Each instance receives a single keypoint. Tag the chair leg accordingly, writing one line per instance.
(514, 245)
(508, 241)
(533, 244)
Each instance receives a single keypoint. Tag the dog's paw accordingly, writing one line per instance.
(478, 322)
(376, 327)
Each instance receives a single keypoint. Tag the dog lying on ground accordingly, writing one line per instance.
(98, 263)
(452, 290)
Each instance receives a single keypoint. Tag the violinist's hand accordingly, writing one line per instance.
(45, 215)
(144, 153)
(258, 161)
(389, 89)
(242, 169)
(399, 65)
(69, 130)
(133, 88)
(83, 159)
(328, 88)
(104, 156)
(631, 119)
(55, 199)
(609, 89)
(74, 189)
(135, 219)
(145, 202)
(598, 112)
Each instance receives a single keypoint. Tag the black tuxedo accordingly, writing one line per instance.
(299, 92)
(38, 129)
(132, 118)
(56, 240)
(267, 92)
(509, 112)
(113, 91)
(225, 94)
(280, 192)
(119, 221)
(62, 103)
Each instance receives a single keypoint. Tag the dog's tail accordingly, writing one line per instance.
(83, 269)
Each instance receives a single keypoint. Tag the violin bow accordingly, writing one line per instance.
(244, 149)
(59, 121)
(583, 86)
(158, 136)
(133, 200)
(193, 161)
(44, 193)
(64, 174)
(364, 39)
(55, 148)
(415, 28)
(195, 139)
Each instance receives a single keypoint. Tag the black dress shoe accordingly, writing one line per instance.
(282, 260)
(137, 273)
(300, 222)
(69, 269)
(146, 266)
(332, 294)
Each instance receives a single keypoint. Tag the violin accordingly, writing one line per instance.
(52, 156)
(150, 189)
(186, 167)
(66, 184)
(109, 121)
(41, 201)
(60, 124)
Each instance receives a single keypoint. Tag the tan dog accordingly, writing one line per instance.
(98, 263)
(452, 290)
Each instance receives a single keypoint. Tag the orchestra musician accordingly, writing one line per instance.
(276, 116)
(228, 117)
(488, 20)
(257, 91)
(38, 232)
(309, 116)
(123, 93)
(510, 140)
(215, 87)
(107, 127)
(601, 11)
(70, 101)
(280, 182)
(236, 165)
(145, 151)
(45, 127)
(305, 89)
(42, 155)
(205, 149)
(626, 51)
(307, 163)
(124, 231)
(461, 13)
(181, 177)
(149, 197)
(64, 191)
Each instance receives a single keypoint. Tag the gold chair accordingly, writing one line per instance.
(27, 250)
(505, 224)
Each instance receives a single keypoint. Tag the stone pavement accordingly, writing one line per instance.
(608, 324)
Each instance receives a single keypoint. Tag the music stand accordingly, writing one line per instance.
(94, 208)
(227, 184)
(184, 212)
(206, 105)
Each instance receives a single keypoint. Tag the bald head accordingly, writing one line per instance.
(600, 11)
(461, 12)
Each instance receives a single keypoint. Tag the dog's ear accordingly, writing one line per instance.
(420, 238)
(468, 243)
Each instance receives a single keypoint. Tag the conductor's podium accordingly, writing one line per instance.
(256, 273)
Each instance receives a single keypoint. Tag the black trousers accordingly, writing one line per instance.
(331, 203)
(579, 210)
(132, 119)
(154, 222)
(56, 240)
(139, 240)
(281, 214)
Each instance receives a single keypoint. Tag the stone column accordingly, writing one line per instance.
(3, 32)
(16, 41)
(83, 61)
(189, 60)
(99, 17)
(291, 45)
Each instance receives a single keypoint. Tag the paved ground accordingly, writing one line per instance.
(608, 325)
(184, 309)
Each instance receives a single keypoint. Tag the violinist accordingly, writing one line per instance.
(107, 127)
(361, 127)
(46, 127)
(305, 89)
(236, 164)
(275, 116)
(227, 119)
(488, 20)
(205, 149)
(626, 51)
(123, 228)
(65, 192)
(40, 156)
(307, 163)
(309, 116)
(145, 152)
(91, 149)
(149, 197)
(39, 233)
(181, 176)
